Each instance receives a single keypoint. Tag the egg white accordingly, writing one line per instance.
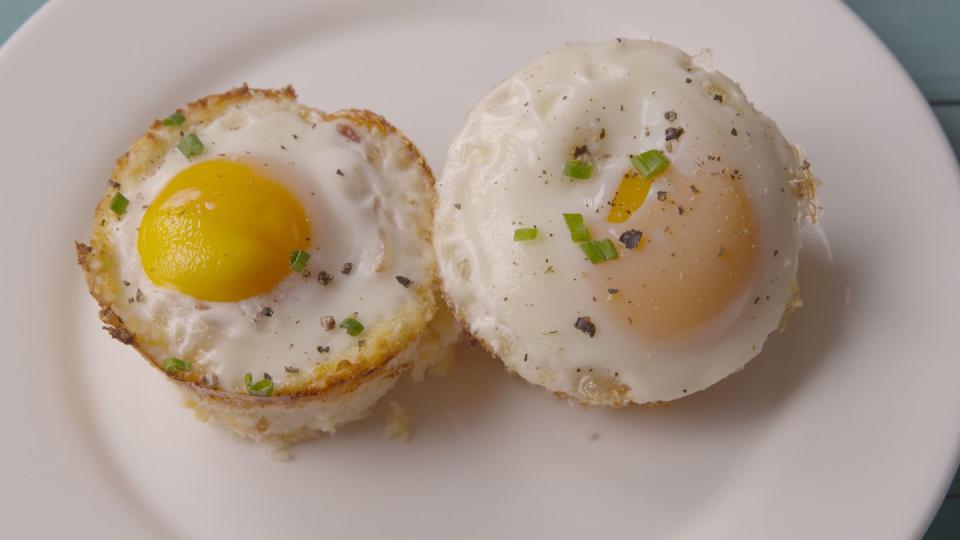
(368, 195)
(363, 216)
(504, 170)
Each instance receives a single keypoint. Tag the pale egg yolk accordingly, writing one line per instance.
(221, 232)
(695, 259)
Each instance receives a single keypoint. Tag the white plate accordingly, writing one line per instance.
(844, 427)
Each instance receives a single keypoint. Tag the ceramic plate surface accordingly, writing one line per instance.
(845, 427)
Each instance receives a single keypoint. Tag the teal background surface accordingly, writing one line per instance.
(924, 36)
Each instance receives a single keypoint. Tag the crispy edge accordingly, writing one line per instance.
(143, 157)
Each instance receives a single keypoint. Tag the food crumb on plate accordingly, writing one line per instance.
(277, 454)
(398, 422)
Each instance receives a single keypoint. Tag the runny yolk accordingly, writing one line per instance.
(697, 255)
(219, 231)
(630, 195)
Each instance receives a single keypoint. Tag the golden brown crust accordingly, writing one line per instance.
(333, 391)
(806, 185)
(328, 380)
(378, 125)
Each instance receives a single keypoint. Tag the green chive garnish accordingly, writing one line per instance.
(119, 203)
(176, 365)
(598, 251)
(174, 119)
(522, 235)
(263, 387)
(190, 145)
(298, 260)
(352, 326)
(608, 249)
(578, 231)
(592, 252)
(650, 163)
(581, 170)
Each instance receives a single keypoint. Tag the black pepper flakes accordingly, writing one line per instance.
(328, 322)
(603, 133)
(680, 209)
(324, 278)
(347, 268)
(585, 325)
(267, 311)
(733, 131)
(267, 376)
(694, 188)
(322, 349)
(456, 205)
(671, 116)
(631, 239)
(673, 133)
(404, 281)
(291, 369)
(718, 98)
(661, 195)
(689, 80)
(340, 173)
(613, 291)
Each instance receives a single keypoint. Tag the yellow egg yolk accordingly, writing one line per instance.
(221, 232)
(696, 257)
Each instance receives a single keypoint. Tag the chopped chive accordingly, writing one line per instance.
(119, 203)
(263, 387)
(598, 251)
(174, 119)
(190, 145)
(592, 252)
(575, 168)
(298, 260)
(176, 365)
(578, 231)
(522, 235)
(608, 249)
(650, 163)
(352, 326)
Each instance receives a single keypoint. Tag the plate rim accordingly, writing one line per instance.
(36, 22)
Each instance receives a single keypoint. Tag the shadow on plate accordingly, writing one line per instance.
(741, 402)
